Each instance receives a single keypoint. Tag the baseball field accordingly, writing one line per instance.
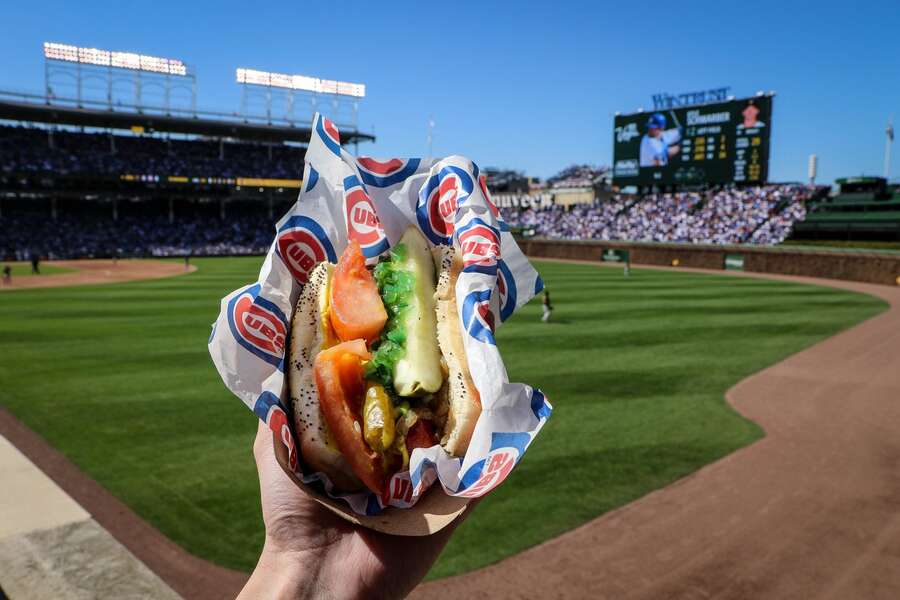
(118, 378)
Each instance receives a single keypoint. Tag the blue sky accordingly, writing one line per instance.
(530, 86)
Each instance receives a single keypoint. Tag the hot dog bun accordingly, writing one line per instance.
(458, 396)
(311, 333)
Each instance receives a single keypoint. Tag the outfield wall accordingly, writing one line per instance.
(852, 265)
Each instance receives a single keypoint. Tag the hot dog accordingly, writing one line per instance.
(377, 365)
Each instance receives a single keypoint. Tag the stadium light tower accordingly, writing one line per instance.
(887, 148)
(339, 93)
(65, 64)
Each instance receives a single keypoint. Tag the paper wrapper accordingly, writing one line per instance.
(373, 201)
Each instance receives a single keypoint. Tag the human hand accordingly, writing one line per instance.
(310, 552)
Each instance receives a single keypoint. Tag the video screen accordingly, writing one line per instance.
(716, 143)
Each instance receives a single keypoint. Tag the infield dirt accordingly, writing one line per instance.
(86, 272)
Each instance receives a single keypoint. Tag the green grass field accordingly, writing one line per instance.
(23, 269)
(119, 379)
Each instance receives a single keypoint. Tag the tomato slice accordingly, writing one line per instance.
(420, 435)
(356, 307)
(339, 381)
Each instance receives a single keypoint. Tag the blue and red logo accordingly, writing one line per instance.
(258, 325)
(477, 317)
(301, 244)
(363, 225)
(329, 134)
(506, 285)
(402, 487)
(271, 411)
(479, 244)
(485, 475)
(384, 173)
(439, 200)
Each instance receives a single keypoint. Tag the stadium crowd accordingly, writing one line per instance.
(32, 150)
(87, 236)
(761, 215)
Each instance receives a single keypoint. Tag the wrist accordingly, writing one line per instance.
(284, 574)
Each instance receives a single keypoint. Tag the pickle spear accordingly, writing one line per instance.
(418, 372)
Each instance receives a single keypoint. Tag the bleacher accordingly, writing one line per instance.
(865, 208)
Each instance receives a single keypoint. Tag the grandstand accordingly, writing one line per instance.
(123, 176)
(865, 208)
(759, 215)
(137, 184)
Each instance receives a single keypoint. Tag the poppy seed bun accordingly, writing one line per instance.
(462, 403)
(311, 333)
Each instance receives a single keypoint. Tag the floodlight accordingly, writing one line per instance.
(119, 60)
(300, 82)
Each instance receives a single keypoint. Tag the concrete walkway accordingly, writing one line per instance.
(50, 547)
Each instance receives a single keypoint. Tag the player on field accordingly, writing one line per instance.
(659, 144)
(546, 307)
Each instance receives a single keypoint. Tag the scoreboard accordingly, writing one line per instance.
(716, 143)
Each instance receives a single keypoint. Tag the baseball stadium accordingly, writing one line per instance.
(719, 341)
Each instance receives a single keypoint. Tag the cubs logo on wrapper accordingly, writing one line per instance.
(258, 325)
(439, 202)
(370, 200)
(302, 244)
(477, 318)
(480, 247)
(363, 225)
(505, 451)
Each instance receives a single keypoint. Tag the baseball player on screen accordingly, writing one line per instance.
(659, 144)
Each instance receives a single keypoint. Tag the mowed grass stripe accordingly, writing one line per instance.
(119, 379)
